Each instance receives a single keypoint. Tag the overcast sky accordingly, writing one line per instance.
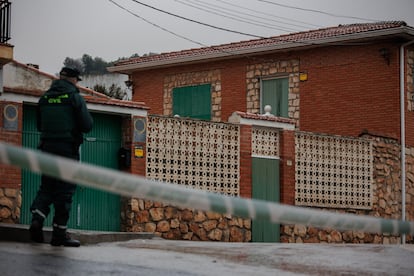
(45, 32)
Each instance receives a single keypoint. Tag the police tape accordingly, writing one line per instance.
(130, 185)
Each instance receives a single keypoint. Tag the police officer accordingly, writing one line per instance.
(62, 118)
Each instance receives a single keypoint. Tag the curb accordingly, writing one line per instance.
(20, 233)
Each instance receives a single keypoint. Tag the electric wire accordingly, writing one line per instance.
(195, 21)
(306, 24)
(238, 11)
(156, 25)
(317, 11)
(220, 12)
(217, 48)
(173, 33)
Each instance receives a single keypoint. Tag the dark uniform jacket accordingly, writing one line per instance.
(62, 114)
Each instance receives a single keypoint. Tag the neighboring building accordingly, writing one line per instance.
(113, 123)
(327, 88)
(108, 80)
(6, 50)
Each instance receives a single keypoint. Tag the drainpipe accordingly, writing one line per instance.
(402, 126)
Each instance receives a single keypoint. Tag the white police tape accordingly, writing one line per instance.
(136, 186)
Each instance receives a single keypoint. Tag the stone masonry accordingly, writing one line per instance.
(10, 204)
(183, 224)
(289, 68)
(410, 80)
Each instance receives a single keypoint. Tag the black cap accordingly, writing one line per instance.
(70, 72)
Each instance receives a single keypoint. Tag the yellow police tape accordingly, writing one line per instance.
(136, 186)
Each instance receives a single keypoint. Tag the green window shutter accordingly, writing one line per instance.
(275, 92)
(192, 101)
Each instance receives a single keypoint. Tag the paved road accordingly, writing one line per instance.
(163, 257)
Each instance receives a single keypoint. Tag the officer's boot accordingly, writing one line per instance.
(61, 237)
(36, 228)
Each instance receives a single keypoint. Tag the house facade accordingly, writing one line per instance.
(343, 65)
(346, 82)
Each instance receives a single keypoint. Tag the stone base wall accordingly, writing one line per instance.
(174, 223)
(303, 234)
(386, 198)
(170, 222)
(10, 204)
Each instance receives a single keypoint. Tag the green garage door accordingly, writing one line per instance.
(91, 209)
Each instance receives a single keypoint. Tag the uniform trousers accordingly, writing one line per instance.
(55, 191)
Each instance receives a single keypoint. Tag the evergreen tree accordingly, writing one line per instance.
(74, 63)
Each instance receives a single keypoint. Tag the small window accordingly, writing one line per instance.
(275, 92)
(192, 101)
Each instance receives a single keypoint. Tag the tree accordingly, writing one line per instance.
(88, 65)
(100, 66)
(87, 61)
(100, 88)
(74, 63)
(114, 91)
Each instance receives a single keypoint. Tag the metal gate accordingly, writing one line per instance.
(265, 186)
(91, 209)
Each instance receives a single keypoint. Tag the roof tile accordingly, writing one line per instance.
(306, 36)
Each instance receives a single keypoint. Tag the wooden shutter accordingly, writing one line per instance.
(192, 101)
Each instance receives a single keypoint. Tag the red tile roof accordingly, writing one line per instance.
(305, 38)
(88, 94)
(262, 117)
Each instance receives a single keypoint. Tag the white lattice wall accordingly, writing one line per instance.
(333, 171)
(198, 154)
(265, 142)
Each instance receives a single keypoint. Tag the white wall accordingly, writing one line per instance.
(107, 80)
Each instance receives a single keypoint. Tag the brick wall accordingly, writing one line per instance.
(148, 87)
(10, 176)
(245, 161)
(287, 167)
(10, 196)
(137, 163)
(154, 86)
(350, 89)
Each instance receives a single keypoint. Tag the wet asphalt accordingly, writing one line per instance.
(103, 253)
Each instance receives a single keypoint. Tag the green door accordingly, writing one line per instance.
(91, 209)
(265, 186)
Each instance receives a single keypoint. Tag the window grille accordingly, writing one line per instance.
(198, 154)
(265, 142)
(333, 171)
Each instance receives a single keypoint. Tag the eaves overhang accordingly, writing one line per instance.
(95, 104)
(222, 52)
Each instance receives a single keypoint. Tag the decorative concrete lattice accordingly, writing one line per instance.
(265, 142)
(333, 172)
(198, 154)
